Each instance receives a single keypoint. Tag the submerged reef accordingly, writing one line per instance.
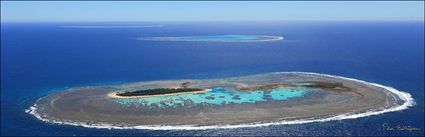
(246, 101)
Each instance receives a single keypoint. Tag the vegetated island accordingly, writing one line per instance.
(157, 92)
(246, 101)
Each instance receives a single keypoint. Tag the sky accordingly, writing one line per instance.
(80, 11)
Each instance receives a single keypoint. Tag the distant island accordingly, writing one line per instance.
(217, 38)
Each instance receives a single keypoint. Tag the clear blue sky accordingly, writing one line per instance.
(209, 11)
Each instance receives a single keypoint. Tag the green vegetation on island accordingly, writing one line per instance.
(158, 91)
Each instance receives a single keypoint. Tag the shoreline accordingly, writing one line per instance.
(114, 94)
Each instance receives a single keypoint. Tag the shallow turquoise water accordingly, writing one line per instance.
(215, 97)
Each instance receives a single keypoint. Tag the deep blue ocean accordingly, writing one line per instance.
(42, 58)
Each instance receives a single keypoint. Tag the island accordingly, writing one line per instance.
(217, 38)
(158, 91)
(155, 92)
(232, 102)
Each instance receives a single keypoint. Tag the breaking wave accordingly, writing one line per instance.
(406, 97)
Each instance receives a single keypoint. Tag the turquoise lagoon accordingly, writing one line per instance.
(217, 96)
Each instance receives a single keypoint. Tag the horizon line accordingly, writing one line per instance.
(136, 21)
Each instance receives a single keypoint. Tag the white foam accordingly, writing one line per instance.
(406, 97)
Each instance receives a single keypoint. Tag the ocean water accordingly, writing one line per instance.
(43, 58)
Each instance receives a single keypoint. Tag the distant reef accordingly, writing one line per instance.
(217, 38)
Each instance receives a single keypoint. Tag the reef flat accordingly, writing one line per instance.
(255, 100)
(217, 38)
